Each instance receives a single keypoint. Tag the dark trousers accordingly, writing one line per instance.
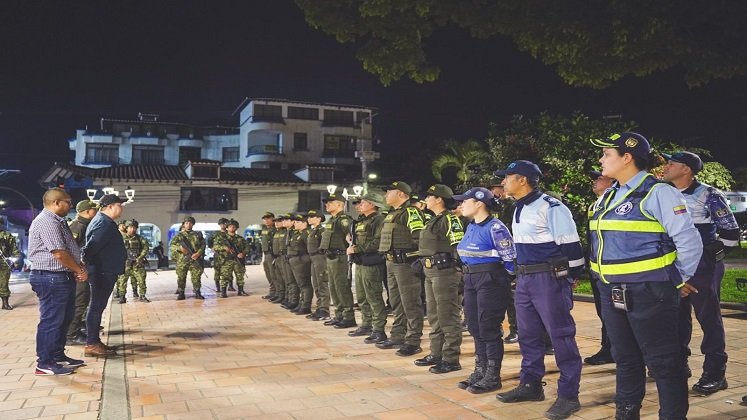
(598, 307)
(102, 285)
(486, 297)
(544, 302)
(82, 297)
(647, 335)
(56, 293)
(707, 305)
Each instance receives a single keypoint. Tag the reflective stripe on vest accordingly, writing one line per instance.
(627, 225)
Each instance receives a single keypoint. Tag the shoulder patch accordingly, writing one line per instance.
(551, 201)
(344, 222)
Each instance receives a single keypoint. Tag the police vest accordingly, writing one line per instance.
(396, 233)
(265, 239)
(314, 239)
(477, 247)
(297, 243)
(627, 244)
(278, 241)
(335, 230)
(440, 235)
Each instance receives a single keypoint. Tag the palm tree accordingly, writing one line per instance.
(464, 156)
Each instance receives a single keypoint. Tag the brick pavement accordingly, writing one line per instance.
(246, 358)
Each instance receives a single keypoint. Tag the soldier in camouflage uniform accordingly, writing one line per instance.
(188, 247)
(265, 244)
(232, 248)
(9, 248)
(300, 263)
(217, 257)
(86, 209)
(319, 281)
(333, 245)
(278, 238)
(137, 251)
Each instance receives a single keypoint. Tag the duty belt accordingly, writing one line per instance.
(533, 268)
(481, 268)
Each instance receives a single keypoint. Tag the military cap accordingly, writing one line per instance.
(268, 215)
(299, 217)
(233, 222)
(189, 219)
(334, 197)
(315, 213)
(84, 205)
(399, 185)
(440, 190)
(690, 159)
(110, 199)
(374, 199)
(626, 142)
(131, 222)
(223, 220)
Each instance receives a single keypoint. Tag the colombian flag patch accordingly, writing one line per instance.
(680, 210)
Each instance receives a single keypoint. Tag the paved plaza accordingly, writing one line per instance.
(243, 357)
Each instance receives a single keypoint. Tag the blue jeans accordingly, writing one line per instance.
(102, 285)
(56, 293)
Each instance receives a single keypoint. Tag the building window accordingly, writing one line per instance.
(102, 153)
(363, 117)
(147, 155)
(189, 153)
(303, 113)
(300, 142)
(267, 113)
(230, 154)
(338, 118)
(208, 199)
(205, 171)
(339, 146)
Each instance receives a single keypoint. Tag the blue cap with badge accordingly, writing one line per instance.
(523, 168)
(626, 142)
(477, 193)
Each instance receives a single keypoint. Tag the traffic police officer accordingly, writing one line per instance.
(333, 246)
(278, 238)
(319, 280)
(232, 251)
(399, 241)
(217, 256)
(137, 251)
(187, 247)
(300, 263)
(265, 244)
(8, 248)
(436, 249)
(644, 249)
(86, 209)
(549, 260)
(719, 232)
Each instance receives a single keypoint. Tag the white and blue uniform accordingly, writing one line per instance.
(544, 231)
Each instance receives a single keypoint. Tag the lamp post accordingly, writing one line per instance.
(357, 191)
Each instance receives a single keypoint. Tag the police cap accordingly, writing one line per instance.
(189, 219)
(523, 168)
(477, 193)
(84, 205)
(690, 159)
(626, 142)
(399, 185)
(440, 190)
(315, 213)
(334, 197)
(268, 215)
(299, 217)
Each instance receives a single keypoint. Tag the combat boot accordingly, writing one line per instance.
(627, 411)
(230, 286)
(116, 293)
(122, 299)
(562, 408)
(134, 293)
(198, 295)
(217, 285)
(144, 299)
(6, 305)
(223, 293)
(710, 383)
(526, 391)
(243, 293)
(491, 379)
(476, 376)
(180, 295)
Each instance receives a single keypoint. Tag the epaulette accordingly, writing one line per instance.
(551, 201)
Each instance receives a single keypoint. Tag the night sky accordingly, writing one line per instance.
(67, 64)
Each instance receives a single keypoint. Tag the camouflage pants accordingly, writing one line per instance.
(4, 280)
(230, 267)
(184, 266)
(136, 275)
(217, 265)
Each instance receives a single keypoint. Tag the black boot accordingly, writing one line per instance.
(529, 391)
(6, 305)
(476, 376)
(707, 384)
(134, 293)
(116, 294)
(242, 292)
(491, 379)
(180, 295)
(627, 411)
(198, 295)
(230, 286)
(123, 300)
(223, 293)
(217, 285)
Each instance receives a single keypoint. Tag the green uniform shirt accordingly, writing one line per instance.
(335, 231)
(297, 243)
(194, 239)
(265, 238)
(441, 234)
(401, 230)
(137, 248)
(368, 233)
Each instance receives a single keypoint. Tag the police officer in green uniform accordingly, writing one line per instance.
(9, 249)
(333, 245)
(86, 209)
(319, 280)
(137, 250)
(399, 242)
(370, 270)
(265, 245)
(278, 239)
(300, 263)
(217, 257)
(232, 250)
(188, 247)
(291, 287)
(437, 246)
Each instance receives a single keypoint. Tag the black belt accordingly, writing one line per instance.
(314, 253)
(481, 268)
(533, 268)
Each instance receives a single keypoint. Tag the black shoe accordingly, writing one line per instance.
(562, 408)
(268, 297)
(76, 340)
(375, 337)
(276, 299)
(242, 292)
(313, 314)
(134, 293)
(390, 344)
(708, 384)
(6, 305)
(198, 295)
(601, 358)
(303, 311)
(445, 367)
(285, 304)
(408, 350)
(549, 351)
(230, 288)
(346, 323)
(144, 299)
(627, 411)
(360, 332)
(293, 307)
(180, 294)
(322, 315)
(529, 391)
(513, 337)
(429, 360)
(333, 321)
(122, 299)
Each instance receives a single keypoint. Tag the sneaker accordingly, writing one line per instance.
(562, 408)
(52, 369)
(70, 362)
(513, 337)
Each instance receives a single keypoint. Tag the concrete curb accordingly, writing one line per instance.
(114, 390)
